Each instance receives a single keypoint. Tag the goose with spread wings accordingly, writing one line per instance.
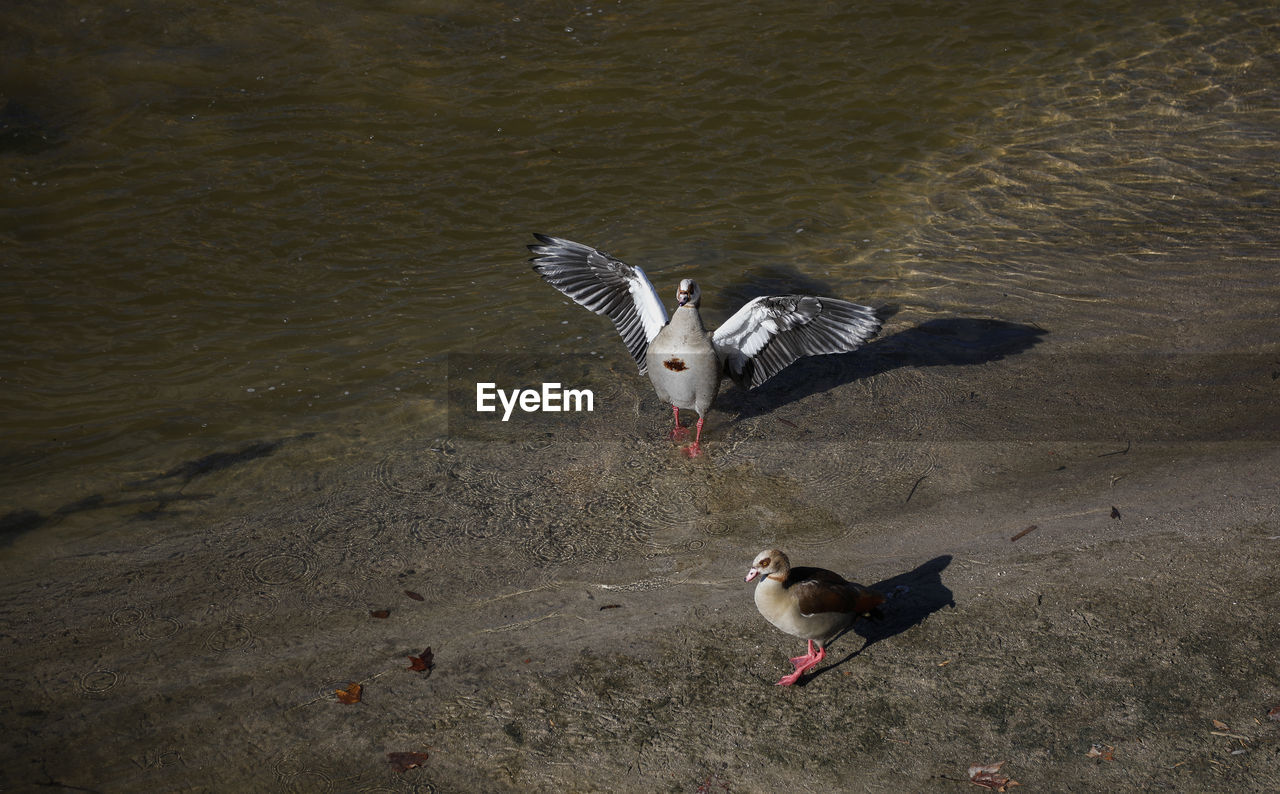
(684, 361)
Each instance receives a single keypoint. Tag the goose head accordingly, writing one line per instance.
(688, 293)
(769, 563)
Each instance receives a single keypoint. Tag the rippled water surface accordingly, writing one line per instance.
(228, 224)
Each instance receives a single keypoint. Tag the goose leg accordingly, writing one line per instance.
(678, 433)
(798, 661)
(695, 449)
(803, 665)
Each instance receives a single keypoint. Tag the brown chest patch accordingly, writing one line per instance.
(675, 365)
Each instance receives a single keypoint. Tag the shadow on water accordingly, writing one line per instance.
(19, 522)
(913, 596)
(952, 341)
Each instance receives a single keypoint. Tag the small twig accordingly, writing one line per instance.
(1127, 445)
(918, 481)
(1026, 531)
(1230, 735)
(524, 623)
(551, 585)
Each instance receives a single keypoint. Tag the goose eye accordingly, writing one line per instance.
(764, 563)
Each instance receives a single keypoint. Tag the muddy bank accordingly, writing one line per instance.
(591, 630)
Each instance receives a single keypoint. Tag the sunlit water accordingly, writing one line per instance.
(227, 224)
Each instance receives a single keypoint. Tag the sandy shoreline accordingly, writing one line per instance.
(592, 632)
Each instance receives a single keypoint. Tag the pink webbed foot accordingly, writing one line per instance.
(678, 433)
(803, 664)
(801, 661)
(695, 449)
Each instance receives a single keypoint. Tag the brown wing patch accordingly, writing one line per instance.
(675, 365)
(818, 590)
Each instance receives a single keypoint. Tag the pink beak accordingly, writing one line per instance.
(751, 574)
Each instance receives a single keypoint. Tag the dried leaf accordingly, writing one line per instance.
(381, 613)
(403, 762)
(1105, 752)
(422, 663)
(1114, 512)
(1220, 725)
(349, 695)
(1274, 714)
(988, 777)
(610, 606)
(414, 596)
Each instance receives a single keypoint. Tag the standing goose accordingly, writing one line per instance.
(810, 603)
(684, 361)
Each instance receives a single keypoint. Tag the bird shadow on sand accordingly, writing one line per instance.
(912, 597)
(948, 341)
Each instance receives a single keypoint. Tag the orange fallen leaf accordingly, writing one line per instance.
(349, 695)
(413, 595)
(422, 663)
(380, 613)
(1274, 714)
(1105, 752)
(988, 776)
(403, 762)
(1220, 725)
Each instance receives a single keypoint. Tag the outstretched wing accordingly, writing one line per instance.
(769, 333)
(604, 285)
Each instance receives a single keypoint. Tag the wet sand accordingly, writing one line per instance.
(591, 630)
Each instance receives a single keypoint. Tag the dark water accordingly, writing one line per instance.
(230, 224)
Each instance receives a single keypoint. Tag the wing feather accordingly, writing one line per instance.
(818, 591)
(605, 285)
(769, 333)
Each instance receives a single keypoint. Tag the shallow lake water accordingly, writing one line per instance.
(226, 225)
